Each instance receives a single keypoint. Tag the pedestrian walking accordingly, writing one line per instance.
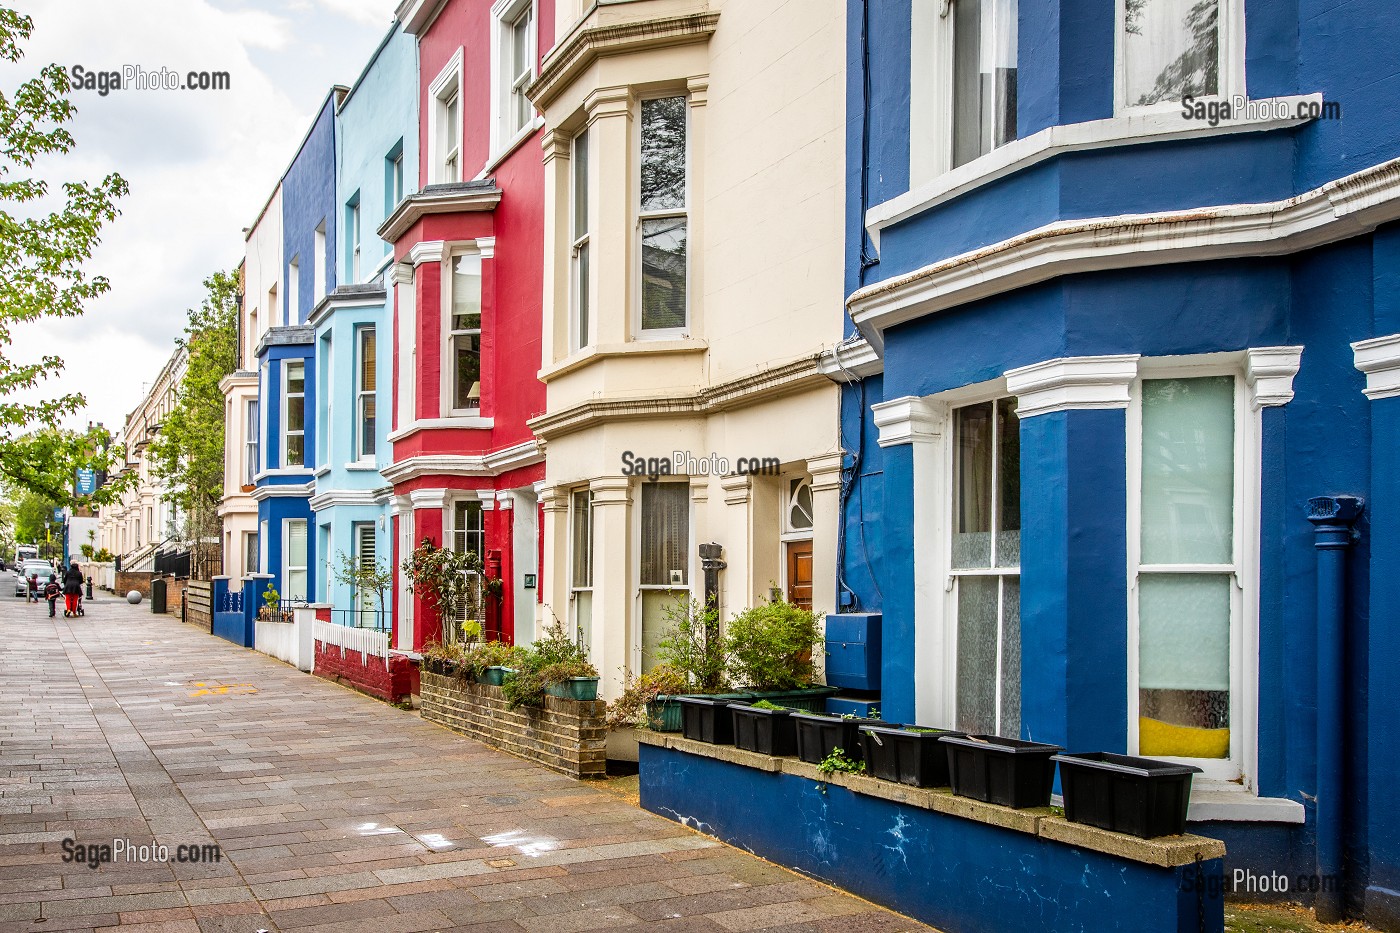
(52, 590)
(72, 589)
(34, 587)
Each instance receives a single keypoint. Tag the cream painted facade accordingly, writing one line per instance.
(763, 89)
(260, 307)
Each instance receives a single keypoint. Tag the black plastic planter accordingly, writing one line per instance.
(1138, 796)
(1007, 772)
(708, 719)
(910, 757)
(818, 735)
(766, 731)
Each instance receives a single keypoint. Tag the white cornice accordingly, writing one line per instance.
(850, 360)
(1020, 154)
(1379, 359)
(449, 198)
(1269, 372)
(486, 246)
(428, 498)
(338, 497)
(908, 420)
(443, 424)
(492, 464)
(284, 491)
(401, 273)
(1340, 209)
(417, 15)
(1075, 382)
(426, 251)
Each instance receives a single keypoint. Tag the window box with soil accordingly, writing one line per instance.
(708, 718)
(1139, 796)
(1008, 772)
(764, 728)
(906, 754)
(818, 735)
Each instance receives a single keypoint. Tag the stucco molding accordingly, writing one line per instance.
(448, 198)
(428, 498)
(401, 273)
(764, 385)
(908, 420)
(1338, 210)
(610, 490)
(491, 464)
(426, 251)
(283, 491)
(738, 489)
(1269, 372)
(1072, 383)
(851, 360)
(294, 336)
(825, 470)
(1379, 359)
(588, 43)
(347, 296)
(332, 498)
(486, 246)
(238, 380)
(457, 423)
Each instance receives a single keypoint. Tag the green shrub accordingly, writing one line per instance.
(694, 647)
(630, 709)
(548, 662)
(771, 646)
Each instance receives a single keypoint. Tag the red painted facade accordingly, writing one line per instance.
(511, 302)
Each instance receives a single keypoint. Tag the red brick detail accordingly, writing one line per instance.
(323, 613)
(393, 682)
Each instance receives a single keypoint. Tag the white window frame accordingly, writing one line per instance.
(319, 278)
(507, 89)
(293, 289)
(461, 537)
(288, 566)
(1244, 621)
(362, 433)
(448, 390)
(787, 531)
(445, 155)
(574, 586)
(286, 367)
(365, 601)
(580, 300)
(353, 216)
(667, 333)
(393, 178)
(1230, 22)
(252, 431)
(684, 591)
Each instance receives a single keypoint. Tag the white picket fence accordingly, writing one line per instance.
(368, 642)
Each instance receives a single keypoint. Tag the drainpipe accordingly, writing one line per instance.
(1332, 519)
(711, 564)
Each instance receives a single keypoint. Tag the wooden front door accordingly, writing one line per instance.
(799, 574)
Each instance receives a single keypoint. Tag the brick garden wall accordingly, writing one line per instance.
(130, 580)
(394, 682)
(565, 735)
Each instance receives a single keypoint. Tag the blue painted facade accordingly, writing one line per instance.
(376, 157)
(1077, 464)
(284, 487)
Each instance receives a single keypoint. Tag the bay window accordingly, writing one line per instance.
(250, 435)
(464, 334)
(663, 216)
(294, 561)
(664, 563)
(984, 76)
(581, 565)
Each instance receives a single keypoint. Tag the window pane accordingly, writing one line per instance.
(581, 295)
(665, 533)
(655, 624)
(583, 617)
(984, 76)
(296, 413)
(972, 486)
(1010, 658)
(466, 292)
(1009, 484)
(367, 418)
(368, 363)
(663, 273)
(582, 539)
(800, 506)
(1184, 664)
(296, 544)
(1188, 470)
(663, 154)
(296, 377)
(296, 586)
(581, 185)
(977, 654)
(296, 450)
(467, 353)
(1171, 49)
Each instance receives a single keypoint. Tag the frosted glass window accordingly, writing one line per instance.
(977, 654)
(1184, 665)
(987, 485)
(1171, 49)
(1188, 470)
(295, 584)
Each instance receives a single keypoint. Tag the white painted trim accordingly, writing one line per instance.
(906, 420)
(486, 246)
(1222, 801)
(283, 491)
(1269, 372)
(429, 498)
(501, 10)
(1076, 382)
(332, 498)
(1379, 359)
(448, 81)
(402, 272)
(425, 251)
(491, 464)
(440, 424)
(851, 360)
(1348, 207)
(1130, 129)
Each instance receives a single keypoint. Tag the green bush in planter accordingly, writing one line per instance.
(771, 646)
(550, 661)
(629, 710)
(694, 647)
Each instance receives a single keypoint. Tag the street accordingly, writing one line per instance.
(331, 811)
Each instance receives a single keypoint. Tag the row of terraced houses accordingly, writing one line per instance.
(1087, 388)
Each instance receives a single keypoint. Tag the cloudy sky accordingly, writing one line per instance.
(200, 163)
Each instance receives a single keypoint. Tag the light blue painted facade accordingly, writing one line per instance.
(376, 160)
(1078, 464)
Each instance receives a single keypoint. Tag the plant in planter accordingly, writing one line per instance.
(906, 754)
(366, 577)
(764, 727)
(819, 733)
(271, 599)
(770, 648)
(694, 647)
(555, 663)
(1008, 772)
(447, 582)
(646, 701)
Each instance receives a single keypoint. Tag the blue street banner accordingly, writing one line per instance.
(58, 516)
(86, 482)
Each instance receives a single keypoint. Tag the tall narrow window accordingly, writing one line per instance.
(1170, 49)
(1187, 567)
(664, 557)
(464, 335)
(318, 265)
(517, 62)
(469, 536)
(294, 561)
(250, 552)
(365, 383)
(393, 178)
(251, 433)
(984, 76)
(252, 340)
(366, 600)
(293, 290)
(581, 564)
(579, 284)
(352, 236)
(986, 558)
(294, 414)
(449, 138)
(663, 217)
(274, 313)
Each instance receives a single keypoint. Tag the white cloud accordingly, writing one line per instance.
(370, 12)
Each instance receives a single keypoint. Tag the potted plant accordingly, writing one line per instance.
(555, 664)
(271, 599)
(906, 754)
(770, 649)
(1008, 772)
(1124, 794)
(819, 733)
(695, 648)
(764, 727)
(648, 701)
(445, 579)
(497, 661)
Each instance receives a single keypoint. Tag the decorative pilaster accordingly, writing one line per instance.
(1072, 383)
(1269, 373)
(1379, 359)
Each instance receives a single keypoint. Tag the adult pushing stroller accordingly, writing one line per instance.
(73, 591)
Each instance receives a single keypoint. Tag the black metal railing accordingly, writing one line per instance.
(373, 619)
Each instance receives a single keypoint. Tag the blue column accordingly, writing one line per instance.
(1383, 739)
(897, 586)
(1074, 611)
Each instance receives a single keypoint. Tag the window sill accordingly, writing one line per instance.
(283, 471)
(1226, 802)
(456, 422)
(362, 466)
(322, 470)
(514, 143)
(1127, 129)
(592, 354)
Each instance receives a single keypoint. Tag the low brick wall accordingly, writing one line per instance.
(567, 736)
(393, 682)
(174, 595)
(199, 606)
(129, 580)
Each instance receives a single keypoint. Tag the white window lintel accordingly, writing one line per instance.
(1075, 382)
(1379, 359)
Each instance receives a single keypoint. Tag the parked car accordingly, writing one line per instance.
(42, 567)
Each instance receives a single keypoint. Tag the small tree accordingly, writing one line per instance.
(441, 577)
(366, 576)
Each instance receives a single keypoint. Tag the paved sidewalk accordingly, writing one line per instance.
(332, 811)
